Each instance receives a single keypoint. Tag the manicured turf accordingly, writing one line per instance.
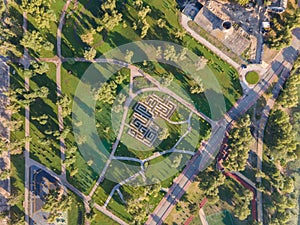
(103, 191)
(252, 77)
(86, 176)
(49, 154)
(17, 179)
(76, 213)
(17, 176)
(221, 218)
(102, 219)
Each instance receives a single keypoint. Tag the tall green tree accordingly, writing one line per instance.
(239, 145)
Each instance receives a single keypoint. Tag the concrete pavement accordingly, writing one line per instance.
(5, 185)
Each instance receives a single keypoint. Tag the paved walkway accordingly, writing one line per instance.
(202, 217)
(5, 189)
(26, 63)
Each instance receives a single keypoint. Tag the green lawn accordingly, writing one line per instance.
(102, 219)
(76, 213)
(103, 191)
(252, 77)
(221, 218)
(17, 161)
(47, 153)
(86, 176)
(17, 179)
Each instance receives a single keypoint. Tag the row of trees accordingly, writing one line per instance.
(169, 53)
(239, 145)
(19, 98)
(280, 137)
(282, 148)
(289, 97)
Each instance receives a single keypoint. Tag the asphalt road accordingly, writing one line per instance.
(201, 161)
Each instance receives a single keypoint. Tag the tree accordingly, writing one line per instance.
(143, 12)
(10, 32)
(41, 12)
(176, 161)
(90, 54)
(88, 38)
(32, 40)
(242, 203)
(138, 3)
(65, 103)
(4, 174)
(164, 134)
(145, 28)
(128, 56)
(43, 119)
(243, 2)
(170, 53)
(43, 20)
(40, 67)
(161, 23)
(167, 79)
(81, 139)
(112, 21)
(180, 34)
(138, 202)
(197, 88)
(210, 180)
(35, 41)
(111, 16)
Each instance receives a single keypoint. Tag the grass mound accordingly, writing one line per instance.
(252, 77)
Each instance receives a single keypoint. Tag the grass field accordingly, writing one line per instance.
(86, 176)
(221, 218)
(252, 77)
(76, 213)
(17, 179)
(103, 219)
(17, 175)
(47, 154)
